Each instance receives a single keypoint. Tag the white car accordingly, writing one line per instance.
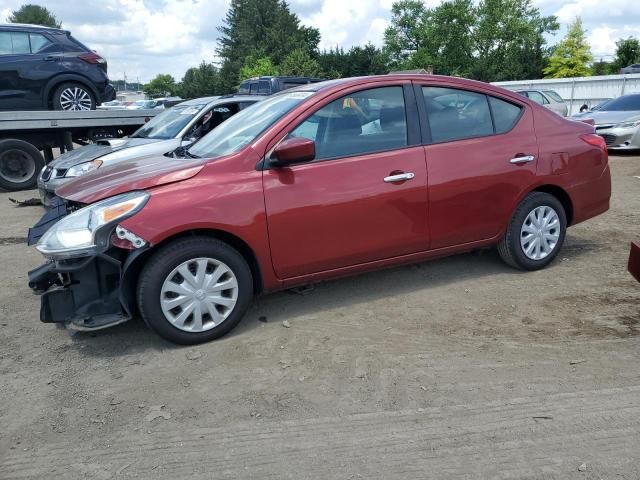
(177, 126)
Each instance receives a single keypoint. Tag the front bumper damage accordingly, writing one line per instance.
(88, 293)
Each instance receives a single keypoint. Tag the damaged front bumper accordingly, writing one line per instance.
(88, 293)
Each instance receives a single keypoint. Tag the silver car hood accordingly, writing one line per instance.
(609, 117)
(113, 150)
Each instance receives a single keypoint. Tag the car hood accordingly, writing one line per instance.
(601, 118)
(101, 149)
(136, 174)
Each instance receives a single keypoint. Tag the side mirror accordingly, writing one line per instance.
(293, 150)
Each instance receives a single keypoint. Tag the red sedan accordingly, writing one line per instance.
(326, 180)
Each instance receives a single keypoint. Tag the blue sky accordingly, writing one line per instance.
(145, 37)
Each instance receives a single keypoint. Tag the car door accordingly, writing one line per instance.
(364, 196)
(27, 62)
(481, 154)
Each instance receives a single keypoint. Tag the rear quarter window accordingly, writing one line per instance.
(505, 114)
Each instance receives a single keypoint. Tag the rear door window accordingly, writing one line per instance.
(39, 42)
(538, 98)
(455, 114)
(264, 87)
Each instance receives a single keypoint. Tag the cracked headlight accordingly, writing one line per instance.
(82, 168)
(75, 234)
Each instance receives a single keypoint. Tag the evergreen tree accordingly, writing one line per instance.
(260, 28)
(35, 15)
(571, 56)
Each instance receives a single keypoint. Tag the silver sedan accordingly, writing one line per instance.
(618, 122)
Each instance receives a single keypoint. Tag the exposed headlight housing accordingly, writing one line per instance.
(82, 168)
(76, 234)
(632, 124)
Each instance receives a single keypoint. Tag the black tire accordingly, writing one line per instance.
(84, 92)
(510, 249)
(161, 264)
(20, 164)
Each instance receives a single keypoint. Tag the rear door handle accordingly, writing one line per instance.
(400, 177)
(522, 159)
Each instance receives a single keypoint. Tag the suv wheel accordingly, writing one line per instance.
(73, 96)
(535, 233)
(194, 290)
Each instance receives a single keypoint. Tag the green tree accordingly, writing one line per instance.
(406, 33)
(257, 67)
(35, 15)
(571, 56)
(627, 53)
(300, 63)
(509, 40)
(162, 85)
(600, 68)
(493, 40)
(260, 28)
(201, 81)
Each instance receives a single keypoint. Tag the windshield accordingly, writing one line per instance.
(553, 95)
(244, 127)
(622, 104)
(169, 123)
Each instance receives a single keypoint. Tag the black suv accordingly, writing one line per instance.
(269, 85)
(46, 68)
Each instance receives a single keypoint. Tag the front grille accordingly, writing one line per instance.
(609, 139)
(61, 172)
(604, 126)
(46, 174)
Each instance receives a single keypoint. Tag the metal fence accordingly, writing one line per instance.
(583, 90)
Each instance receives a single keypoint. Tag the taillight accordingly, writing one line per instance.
(595, 140)
(92, 58)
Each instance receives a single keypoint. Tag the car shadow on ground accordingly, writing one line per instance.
(134, 336)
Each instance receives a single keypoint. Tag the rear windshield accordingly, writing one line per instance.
(553, 95)
(244, 127)
(621, 104)
(169, 123)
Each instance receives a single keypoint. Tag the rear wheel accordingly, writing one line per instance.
(535, 233)
(194, 290)
(73, 97)
(20, 164)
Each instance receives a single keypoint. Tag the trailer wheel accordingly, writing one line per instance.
(20, 164)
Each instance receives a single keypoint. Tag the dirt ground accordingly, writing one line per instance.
(456, 368)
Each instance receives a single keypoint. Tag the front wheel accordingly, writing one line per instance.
(535, 233)
(194, 290)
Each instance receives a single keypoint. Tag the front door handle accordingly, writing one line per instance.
(399, 177)
(522, 159)
(51, 58)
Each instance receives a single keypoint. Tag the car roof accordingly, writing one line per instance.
(27, 26)
(225, 99)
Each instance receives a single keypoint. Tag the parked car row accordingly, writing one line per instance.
(320, 181)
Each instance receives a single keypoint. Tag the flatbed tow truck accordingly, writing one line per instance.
(27, 138)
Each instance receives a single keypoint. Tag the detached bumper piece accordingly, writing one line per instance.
(81, 293)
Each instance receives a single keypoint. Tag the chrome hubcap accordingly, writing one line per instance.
(75, 98)
(199, 294)
(540, 233)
